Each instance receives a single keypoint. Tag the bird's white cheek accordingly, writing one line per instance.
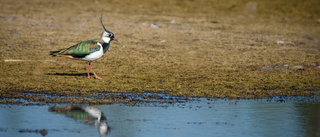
(106, 39)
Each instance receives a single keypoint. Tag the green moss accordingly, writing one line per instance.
(214, 49)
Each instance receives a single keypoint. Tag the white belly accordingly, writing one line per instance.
(95, 55)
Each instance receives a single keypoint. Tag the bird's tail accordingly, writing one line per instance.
(57, 52)
(54, 53)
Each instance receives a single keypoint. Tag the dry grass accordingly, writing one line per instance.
(214, 48)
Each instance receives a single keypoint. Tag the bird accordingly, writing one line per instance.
(89, 114)
(89, 50)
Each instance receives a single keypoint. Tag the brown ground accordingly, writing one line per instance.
(235, 49)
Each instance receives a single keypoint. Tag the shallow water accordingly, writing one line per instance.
(198, 117)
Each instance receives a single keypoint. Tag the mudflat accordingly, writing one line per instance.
(205, 48)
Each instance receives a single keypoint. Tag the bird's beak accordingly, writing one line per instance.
(115, 39)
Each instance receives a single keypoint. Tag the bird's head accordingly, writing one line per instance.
(107, 36)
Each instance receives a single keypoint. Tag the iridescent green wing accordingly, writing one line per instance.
(82, 49)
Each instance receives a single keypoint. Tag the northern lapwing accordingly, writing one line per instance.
(89, 114)
(89, 50)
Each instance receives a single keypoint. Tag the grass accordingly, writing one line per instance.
(213, 49)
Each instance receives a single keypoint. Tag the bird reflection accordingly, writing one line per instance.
(89, 114)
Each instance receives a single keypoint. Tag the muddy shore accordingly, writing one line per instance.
(204, 48)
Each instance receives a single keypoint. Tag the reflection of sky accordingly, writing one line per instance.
(270, 119)
(18, 118)
(246, 118)
(214, 118)
(309, 117)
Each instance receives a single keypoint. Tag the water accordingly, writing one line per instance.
(200, 117)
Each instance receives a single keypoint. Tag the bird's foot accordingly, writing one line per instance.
(97, 77)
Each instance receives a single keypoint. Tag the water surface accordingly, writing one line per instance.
(199, 117)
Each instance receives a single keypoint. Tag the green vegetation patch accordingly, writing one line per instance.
(203, 48)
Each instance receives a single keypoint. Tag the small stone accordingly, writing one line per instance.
(285, 81)
(162, 41)
(297, 67)
(172, 21)
(280, 42)
(312, 64)
(278, 67)
(316, 68)
(155, 26)
(266, 68)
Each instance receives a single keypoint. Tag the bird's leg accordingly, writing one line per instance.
(88, 65)
(95, 75)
